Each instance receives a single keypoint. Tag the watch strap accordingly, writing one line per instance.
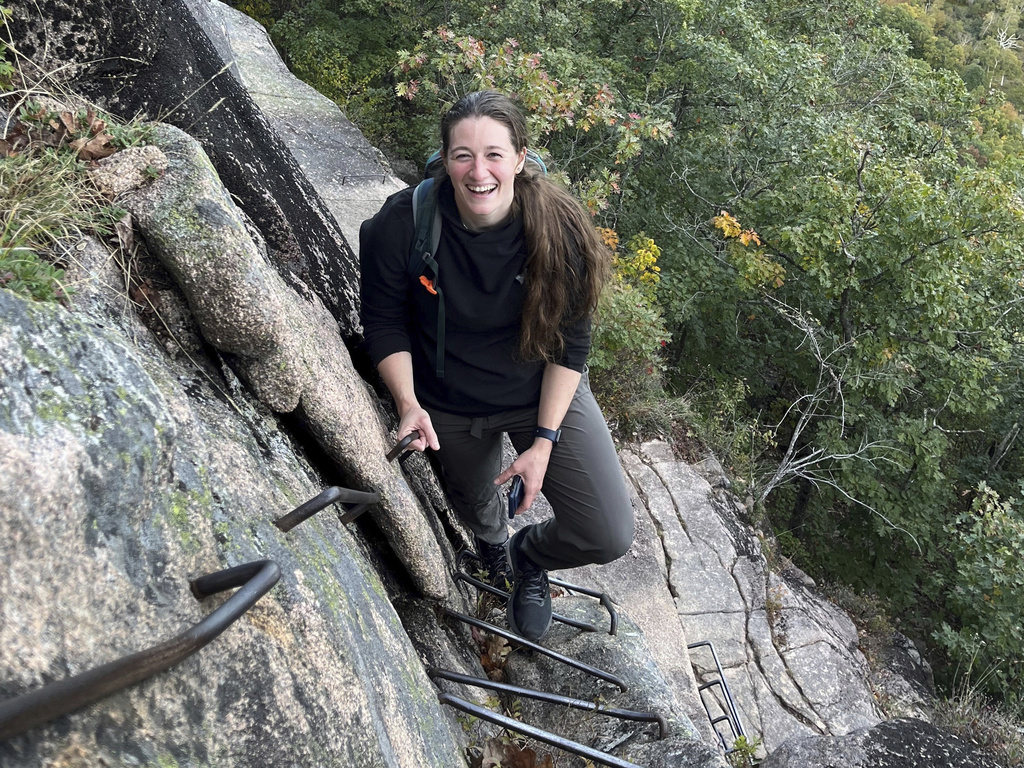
(548, 434)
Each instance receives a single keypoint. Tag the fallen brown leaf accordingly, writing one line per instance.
(498, 754)
(125, 233)
(95, 148)
(146, 296)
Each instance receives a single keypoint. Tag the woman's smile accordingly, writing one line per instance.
(482, 165)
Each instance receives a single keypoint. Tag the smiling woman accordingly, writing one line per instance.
(482, 165)
(518, 272)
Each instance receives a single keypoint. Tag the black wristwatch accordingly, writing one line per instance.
(548, 434)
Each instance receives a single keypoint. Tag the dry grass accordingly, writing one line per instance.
(997, 729)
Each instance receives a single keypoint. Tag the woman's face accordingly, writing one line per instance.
(482, 164)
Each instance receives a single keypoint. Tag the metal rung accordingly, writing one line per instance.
(303, 512)
(63, 697)
(712, 684)
(603, 597)
(732, 715)
(605, 600)
(401, 449)
(594, 671)
(552, 698)
(536, 733)
(491, 589)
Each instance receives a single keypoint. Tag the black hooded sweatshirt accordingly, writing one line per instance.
(481, 275)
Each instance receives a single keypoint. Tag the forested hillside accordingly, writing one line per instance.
(817, 216)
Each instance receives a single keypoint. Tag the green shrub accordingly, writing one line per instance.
(629, 335)
(987, 597)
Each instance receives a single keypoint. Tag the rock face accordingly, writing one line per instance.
(350, 175)
(176, 74)
(286, 346)
(127, 474)
(900, 743)
(695, 573)
(790, 657)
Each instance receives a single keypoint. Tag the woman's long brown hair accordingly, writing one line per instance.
(567, 263)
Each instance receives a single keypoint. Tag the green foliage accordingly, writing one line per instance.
(838, 228)
(562, 111)
(971, 715)
(133, 134)
(744, 752)
(987, 597)
(25, 273)
(629, 337)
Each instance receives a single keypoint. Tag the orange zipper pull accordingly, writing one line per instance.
(428, 284)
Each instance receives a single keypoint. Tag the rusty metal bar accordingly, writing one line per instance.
(324, 499)
(552, 698)
(401, 447)
(595, 755)
(594, 671)
(44, 704)
(605, 600)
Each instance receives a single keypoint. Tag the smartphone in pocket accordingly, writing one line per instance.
(515, 496)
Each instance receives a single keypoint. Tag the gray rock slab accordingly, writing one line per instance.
(790, 657)
(902, 743)
(133, 473)
(287, 346)
(627, 656)
(351, 175)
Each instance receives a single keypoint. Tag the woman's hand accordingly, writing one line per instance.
(396, 370)
(415, 419)
(531, 465)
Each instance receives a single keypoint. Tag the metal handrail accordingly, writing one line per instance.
(533, 732)
(552, 698)
(732, 715)
(594, 671)
(60, 698)
(362, 500)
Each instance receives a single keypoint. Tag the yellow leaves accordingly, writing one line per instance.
(730, 228)
(609, 237)
(755, 267)
(728, 224)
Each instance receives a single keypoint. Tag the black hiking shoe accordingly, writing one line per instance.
(529, 609)
(495, 562)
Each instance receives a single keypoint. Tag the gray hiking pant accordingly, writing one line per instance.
(593, 520)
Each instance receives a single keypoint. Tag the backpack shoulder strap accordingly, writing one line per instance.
(426, 217)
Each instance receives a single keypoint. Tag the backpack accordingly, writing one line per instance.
(426, 218)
